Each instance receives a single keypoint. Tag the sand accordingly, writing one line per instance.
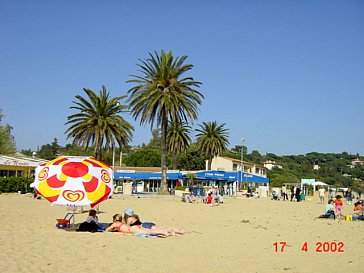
(237, 236)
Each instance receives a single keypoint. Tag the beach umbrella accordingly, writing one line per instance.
(74, 181)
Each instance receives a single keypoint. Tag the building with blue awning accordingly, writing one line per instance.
(146, 176)
(230, 176)
(145, 179)
(228, 173)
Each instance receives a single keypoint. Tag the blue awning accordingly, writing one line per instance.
(146, 176)
(251, 178)
(211, 175)
(230, 176)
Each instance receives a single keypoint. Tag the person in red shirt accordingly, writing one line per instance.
(209, 198)
(338, 206)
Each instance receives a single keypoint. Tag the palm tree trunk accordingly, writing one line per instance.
(174, 161)
(164, 186)
(209, 163)
(98, 148)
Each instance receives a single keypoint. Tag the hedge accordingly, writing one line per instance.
(15, 184)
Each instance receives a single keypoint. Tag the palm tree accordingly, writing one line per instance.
(190, 177)
(161, 94)
(212, 140)
(98, 122)
(178, 139)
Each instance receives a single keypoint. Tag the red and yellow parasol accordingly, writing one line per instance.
(75, 181)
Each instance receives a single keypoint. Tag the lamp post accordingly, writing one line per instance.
(241, 163)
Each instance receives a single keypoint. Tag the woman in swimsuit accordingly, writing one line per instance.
(119, 226)
(132, 219)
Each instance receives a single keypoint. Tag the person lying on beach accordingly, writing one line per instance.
(119, 226)
(132, 219)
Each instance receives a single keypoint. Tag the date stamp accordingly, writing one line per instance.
(320, 247)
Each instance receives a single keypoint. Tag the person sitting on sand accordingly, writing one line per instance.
(132, 219)
(92, 223)
(92, 217)
(119, 226)
(217, 197)
(275, 196)
(358, 208)
(209, 199)
(190, 198)
(329, 211)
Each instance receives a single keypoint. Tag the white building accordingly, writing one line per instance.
(228, 164)
(357, 161)
(18, 165)
(271, 164)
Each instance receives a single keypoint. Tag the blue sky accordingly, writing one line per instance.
(288, 76)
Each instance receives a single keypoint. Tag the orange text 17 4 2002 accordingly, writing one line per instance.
(319, 247)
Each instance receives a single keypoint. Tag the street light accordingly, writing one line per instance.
(241, 164)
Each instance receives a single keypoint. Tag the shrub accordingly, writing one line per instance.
(180, 188)
(15, 184)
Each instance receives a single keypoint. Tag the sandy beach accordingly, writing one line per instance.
(237, 236)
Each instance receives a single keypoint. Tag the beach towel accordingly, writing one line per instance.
(151, 235)
(142, 235)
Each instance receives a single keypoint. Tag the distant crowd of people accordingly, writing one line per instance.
(294, 193)
(211, 197)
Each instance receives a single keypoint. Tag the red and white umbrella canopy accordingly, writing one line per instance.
(75, 181)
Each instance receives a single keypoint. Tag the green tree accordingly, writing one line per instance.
(27, 152)
(255, 157)
(156, 139)
(190, 177)
(178, 139)
(144, 157)
(75, 150)
(163, 93)
(7, 142)
(192, 159)
(212, 139)
(98, 122)
(50, 151)
(55, 148)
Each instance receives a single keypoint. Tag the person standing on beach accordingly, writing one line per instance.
(293, 192)
(322, 195)
(349, 196)
(298, 194)
(284, 193)
(332, 194)
(338, 206)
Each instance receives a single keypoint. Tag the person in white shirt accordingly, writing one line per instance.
(322, 195)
